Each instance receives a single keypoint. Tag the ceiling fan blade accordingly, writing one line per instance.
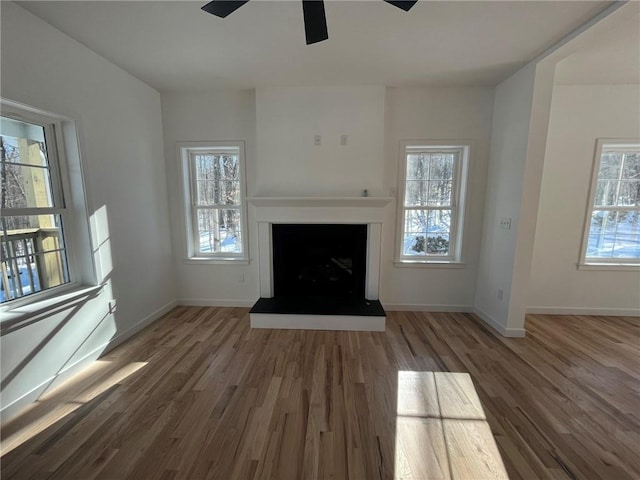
(222, 8)
(403, 4)
(315, 21)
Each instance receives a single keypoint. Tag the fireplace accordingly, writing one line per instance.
(319, 260)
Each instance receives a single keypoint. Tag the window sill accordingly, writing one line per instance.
(609, 266)
(428, 264)
(13, 317)
(216, 261)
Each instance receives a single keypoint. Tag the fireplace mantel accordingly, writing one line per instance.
(366, 202)
(349, 210)
(356, 210)
(320, 209)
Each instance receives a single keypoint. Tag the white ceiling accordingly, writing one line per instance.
(176, 46)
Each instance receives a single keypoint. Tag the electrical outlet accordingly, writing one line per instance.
(344, 139)
(241, 278)
(500, 294)
(317, 140)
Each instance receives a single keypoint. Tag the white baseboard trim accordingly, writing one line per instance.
(205, 302)
(318, 322)
(406, 307)
(145, 322)
(15, 407)
(7, 412)
(497, 326)
(616, 312)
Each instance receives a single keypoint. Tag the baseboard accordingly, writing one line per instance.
(404, 307)
(205, 302)
(498, 327)
(7, 412)
(145, 322)
(615, 312)
(15, 407)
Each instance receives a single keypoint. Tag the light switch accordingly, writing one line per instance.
(505, 223)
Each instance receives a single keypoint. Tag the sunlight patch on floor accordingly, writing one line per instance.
(64, 402)
(441, 429)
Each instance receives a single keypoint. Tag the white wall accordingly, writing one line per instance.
(288, 161)
(120, 133)
(213, 116)
(520, 118)
(510, 131)
(580, 114)
(278, 125)
(453, 114)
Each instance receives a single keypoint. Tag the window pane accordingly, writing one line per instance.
(441, 167)
(426, 232)
(229, 167)
(22, 142)
(23, 166)
(439, 221)
(440, 193)
(218, 193)
(603, 222)
(205, 167)
(614, 234)
(219, 230)
(438, 245)
(33, 255)
(629, 193)
(217, 166)
(208, 192)
(631, 169)
(416, 221)
(600, 246)
(610, 166)
(25, 186)
(627, 246)
(628, 223)
(417, 167)
(416, 193)
(605, 193)
(230, 192)
(425, 245)
(413, 244)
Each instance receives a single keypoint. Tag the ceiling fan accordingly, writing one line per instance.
(315, 21)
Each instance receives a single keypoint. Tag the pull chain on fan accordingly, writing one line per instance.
(315, 20)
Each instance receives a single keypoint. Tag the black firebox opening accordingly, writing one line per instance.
(319, 260)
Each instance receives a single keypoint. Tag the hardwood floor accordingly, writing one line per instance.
(200, 395)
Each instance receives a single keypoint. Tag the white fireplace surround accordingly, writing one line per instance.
(345, 210)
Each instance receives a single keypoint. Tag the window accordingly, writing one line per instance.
(33, 217)
(433, 182)
(214, 198)
(612, 231)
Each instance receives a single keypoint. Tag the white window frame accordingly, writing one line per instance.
(458, 206)
(588, 263)
(68, 192)
(185, 152)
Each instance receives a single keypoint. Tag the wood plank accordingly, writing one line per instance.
(472, 450)
(420, 450)
(200, 395)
